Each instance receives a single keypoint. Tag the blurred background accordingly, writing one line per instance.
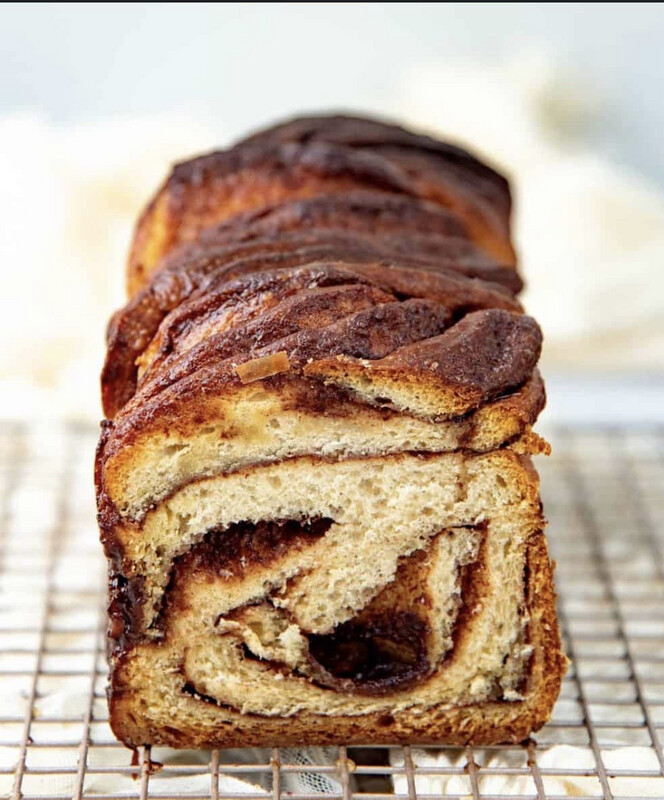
(97, 100)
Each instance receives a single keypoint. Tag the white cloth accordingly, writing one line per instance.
(69, 199)
(559, 757)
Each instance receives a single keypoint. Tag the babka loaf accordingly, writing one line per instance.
(314, 481)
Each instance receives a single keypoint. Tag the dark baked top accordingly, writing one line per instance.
(327, 155)
(387, 277)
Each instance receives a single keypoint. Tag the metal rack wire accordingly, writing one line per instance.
(603, 496)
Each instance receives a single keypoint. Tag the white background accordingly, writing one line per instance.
(236, 65)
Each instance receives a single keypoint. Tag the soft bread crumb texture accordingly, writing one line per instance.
(170, 712)
(388, 505)
(384, 510)
(259, 423)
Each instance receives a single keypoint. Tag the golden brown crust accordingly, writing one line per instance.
(486, 354)
(334, 155)
(423, 156)
(181, 292)
(318, 311)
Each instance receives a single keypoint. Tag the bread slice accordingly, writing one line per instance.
(314, 481)
(391, 599)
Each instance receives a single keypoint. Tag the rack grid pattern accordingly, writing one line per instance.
(603, 493)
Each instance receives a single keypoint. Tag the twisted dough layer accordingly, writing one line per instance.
(323, 155)
(314, 483)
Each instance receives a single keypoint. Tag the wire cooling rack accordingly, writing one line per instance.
(603, 495)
